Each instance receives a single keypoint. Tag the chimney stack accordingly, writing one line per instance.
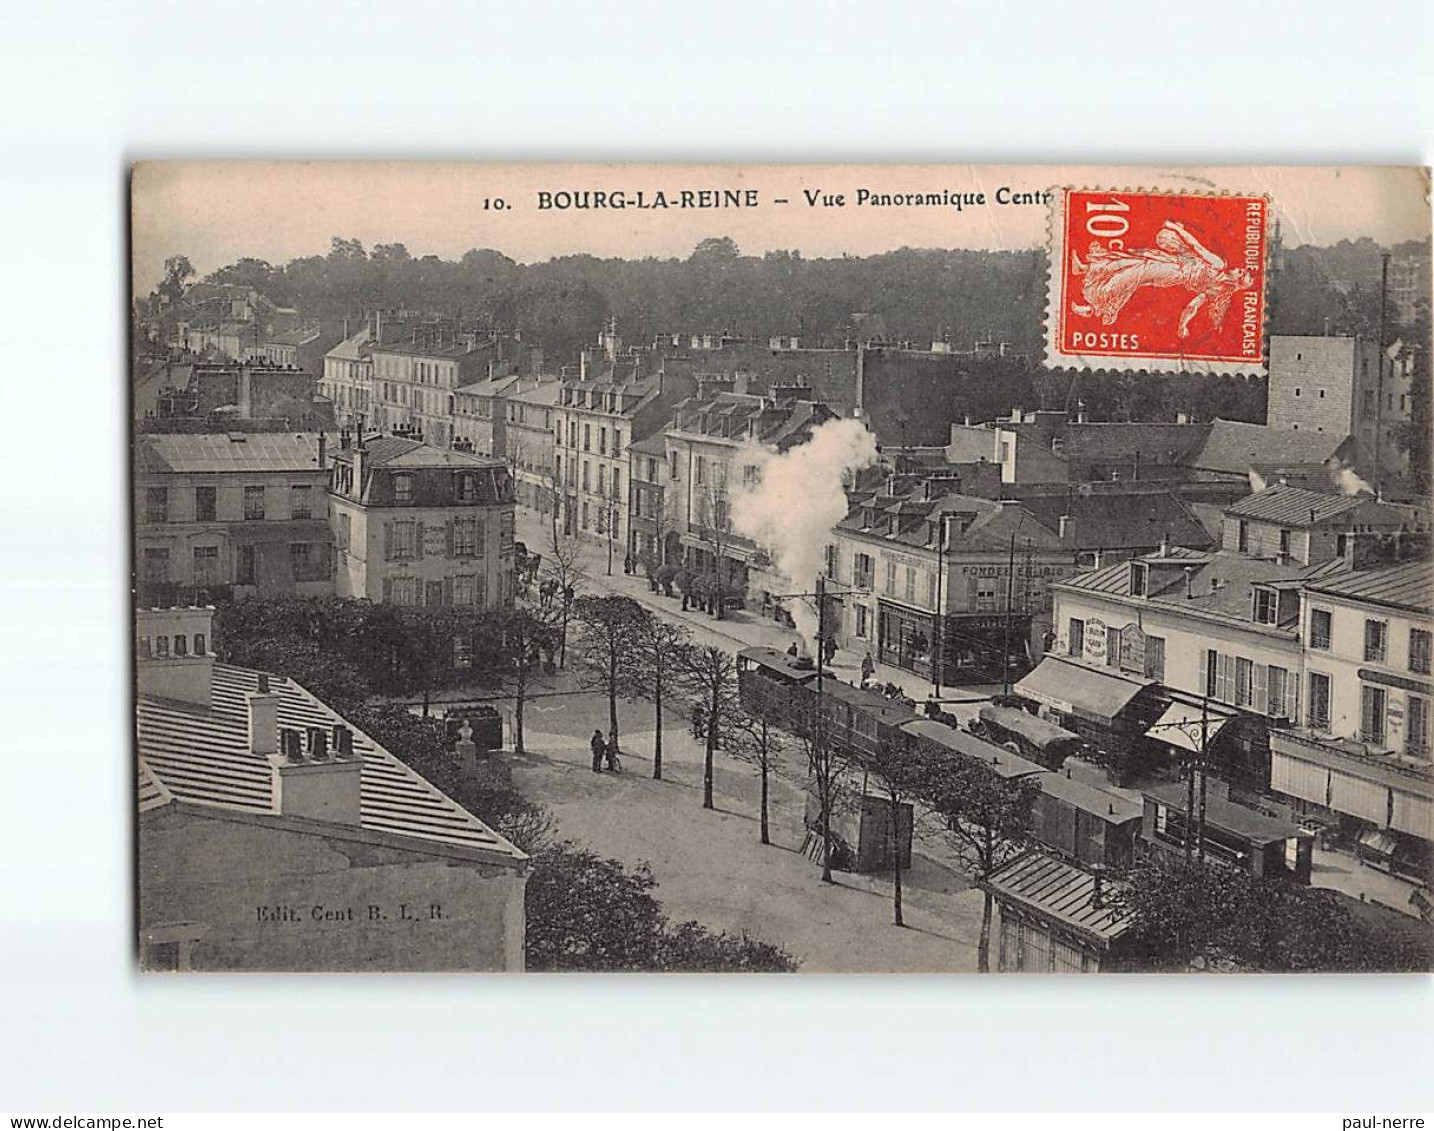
(263, 718)
(1067, 527)
(175, 661)
(323, 451)
(315, 782)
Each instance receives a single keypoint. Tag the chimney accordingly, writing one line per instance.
(1165, 544)
(323, 451)
(1067, 527)
(1182, 418)
(1189, 582)
(315, 782)
(246, 393)
(263, 718)
(175, 661)
(1097, 890)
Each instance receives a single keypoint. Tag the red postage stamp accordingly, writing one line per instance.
(1169, 282)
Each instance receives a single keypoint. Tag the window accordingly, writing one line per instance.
(402, 590)
(1320, 629)
(587, 437)
(602, 441)
(1267, 606)
(617, 483)
(345, 531)
(156, 504)
(1212, 675)
(1419, 650)
(1155, 657)
(464, 590)
(1278, 681)
(602, 480)
(1244, 682)
(701, 470)
(863, 627)
(206, 566)
(404, 536)
(467, 488)
(1416, 741)
(156, 567)
(675, 462)
(403, 488)
(1376, 640)
(1317, 713)
(253, 502)
(1371, 714)
(161, 647)
(586, 480)
(891, 578)
(1244, 534)
(306, 559)
(911, 584)
(861, 567)
(616, 442)
(1076, 637)
(585, 511)
(245, 565)
(1284, 546)
(300, 502)
(181, 645)
(1138, 571)
(205, 504)
(465, 538)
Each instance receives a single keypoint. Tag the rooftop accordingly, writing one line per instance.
(190, 754)
(1408, 586)
(913, 521)
(1234, 447)
(1222, 813)
(401, 452)
(1294, 506)
(210, 452)
(1126, 521)
(1062, 892)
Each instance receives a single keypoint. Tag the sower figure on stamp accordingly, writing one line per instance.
(1177, 260)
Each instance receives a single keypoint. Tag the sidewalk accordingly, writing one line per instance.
(737, 628)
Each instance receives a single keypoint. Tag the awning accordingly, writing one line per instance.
(1181, 726)
(1040, 732)
(1078, 690)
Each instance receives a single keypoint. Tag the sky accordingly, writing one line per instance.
(217, 212)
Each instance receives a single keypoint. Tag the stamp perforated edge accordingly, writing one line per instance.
(1056, 358)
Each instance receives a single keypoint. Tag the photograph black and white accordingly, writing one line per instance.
(730, 568)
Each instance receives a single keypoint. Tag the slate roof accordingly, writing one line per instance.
(400, 451)
(1234, 446)
(1236, 573)
(1062, 892)
(190, 754)
(489, 386)
(1122, 521)
(991, 526)
(1294, 506)
(1223, 813)
(218, 452)
(1408, 586)
(352, 349)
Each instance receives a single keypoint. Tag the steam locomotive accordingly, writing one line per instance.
(1070, 817)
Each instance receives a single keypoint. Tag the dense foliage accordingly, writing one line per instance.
(588, 913)
(1204, 916)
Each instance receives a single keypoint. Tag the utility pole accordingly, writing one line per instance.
(1204, 774)
(938, 637)
(1006, 643)
(1379, 361)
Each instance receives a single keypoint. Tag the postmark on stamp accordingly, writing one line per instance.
(1168, 282)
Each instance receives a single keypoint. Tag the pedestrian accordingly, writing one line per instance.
(830, 650)
(611, 750)
(599, 748)
(699, 721)
(792, 650)
(868, 667)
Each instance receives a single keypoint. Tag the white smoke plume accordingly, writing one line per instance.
(1349, 483)
(1257, 482)
(798, 499)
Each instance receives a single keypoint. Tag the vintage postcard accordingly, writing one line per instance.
(781, 568)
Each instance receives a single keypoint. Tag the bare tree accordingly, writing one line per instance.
(717, 532)
(758, 742)
(892, 764)
(525, 632)
(659, 648)
(984, 817)
(566, 576)
(827, 764)
(610, 628)
(710, 673)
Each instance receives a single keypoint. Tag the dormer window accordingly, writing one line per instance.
(1267, 606)
(403, 488)
(1139, 579)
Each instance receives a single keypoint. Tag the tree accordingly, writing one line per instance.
(586, 912)
(827, 764)
(609, 633)
(567, 575)
(756, 741)
(177, 271)
(716, 532)
(525, 632)
(710, 673)
(893, 764)
(659, 646)
(984, 817)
